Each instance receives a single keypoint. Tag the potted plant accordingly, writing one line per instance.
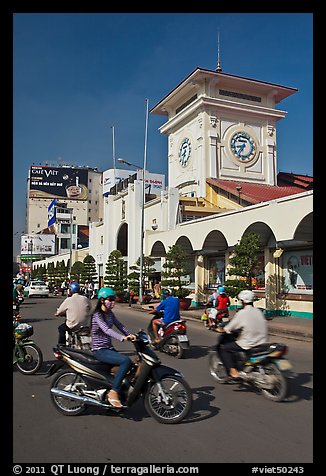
(175, 275)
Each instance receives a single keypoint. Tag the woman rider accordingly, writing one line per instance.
(103, 319)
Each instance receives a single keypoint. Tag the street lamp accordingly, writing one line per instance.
(122, 161)
(30, 250)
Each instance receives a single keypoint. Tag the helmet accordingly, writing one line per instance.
(246, 296)
(105, 293)
(74, 287)
(166, 292)
(221, 289)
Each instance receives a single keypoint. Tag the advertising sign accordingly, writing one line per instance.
(154, 183)
(58, 182)
(37, 245)
(113, 177)
(51, 212)
(298, 271)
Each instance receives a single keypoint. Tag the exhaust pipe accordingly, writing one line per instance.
(79, 398)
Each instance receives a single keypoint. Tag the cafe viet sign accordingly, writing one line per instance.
(68, 183)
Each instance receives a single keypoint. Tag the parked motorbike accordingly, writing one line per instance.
(79, 339)
(263, 367)
(174, 339)
(167, 396)
(27, 356)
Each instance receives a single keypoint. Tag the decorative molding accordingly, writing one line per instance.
(213, 120)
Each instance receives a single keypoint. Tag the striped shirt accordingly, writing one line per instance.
(102, 331)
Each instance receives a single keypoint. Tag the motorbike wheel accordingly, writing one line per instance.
(275, 376)
(217, 369)
(179, 398)
(33, 359)
(173, 347)
(70, 382)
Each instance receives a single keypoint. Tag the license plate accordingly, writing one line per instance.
(283, 364)
(225, 319)
(183, 338)
(14, 306)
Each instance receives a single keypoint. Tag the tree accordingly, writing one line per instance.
(51, 273)
(244, 261)
(89, 272)
(77, 270)
(175, 268)
(148, 271)
(115, 273)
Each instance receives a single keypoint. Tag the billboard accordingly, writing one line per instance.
(113, 177)
(154, 183)
(58, 182)
(37, 245)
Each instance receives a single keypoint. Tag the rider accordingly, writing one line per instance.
(252, 324)
(77, 310)
(222, 301)
(170, 306)
(103, 320)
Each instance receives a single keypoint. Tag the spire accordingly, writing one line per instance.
(218, 67)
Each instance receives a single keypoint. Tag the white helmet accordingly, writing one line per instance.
(246, 296)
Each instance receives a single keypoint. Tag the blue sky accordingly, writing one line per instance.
(78, 74)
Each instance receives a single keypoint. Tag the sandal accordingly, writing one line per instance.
(115, 402)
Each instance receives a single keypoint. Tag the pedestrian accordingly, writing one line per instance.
(157, 290)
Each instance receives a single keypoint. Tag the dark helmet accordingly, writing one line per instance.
(106, 293)
(74, 287)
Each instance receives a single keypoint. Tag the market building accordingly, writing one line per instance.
(222, 183)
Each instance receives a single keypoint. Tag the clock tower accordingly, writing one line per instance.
(221, 126)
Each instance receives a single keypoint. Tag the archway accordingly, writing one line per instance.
(122, 239)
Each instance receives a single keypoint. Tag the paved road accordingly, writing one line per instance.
(227, 424)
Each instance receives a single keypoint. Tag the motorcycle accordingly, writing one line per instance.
(167, 396)
(79, 339)
(27, 356)
(174, 339)
(263, 367)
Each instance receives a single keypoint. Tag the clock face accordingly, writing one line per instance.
(184, 152)
(243, 146)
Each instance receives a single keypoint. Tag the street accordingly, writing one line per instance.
(227, 423)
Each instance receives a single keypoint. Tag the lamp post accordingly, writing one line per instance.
(30, 250)
(141, 258)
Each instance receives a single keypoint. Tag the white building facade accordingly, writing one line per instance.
(222, 184)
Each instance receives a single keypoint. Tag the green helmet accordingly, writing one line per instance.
(105, 293)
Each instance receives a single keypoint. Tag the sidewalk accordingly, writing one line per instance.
(291, 327)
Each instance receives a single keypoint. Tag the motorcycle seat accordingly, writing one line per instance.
(259, 349)
(172, 323)
(81, 355)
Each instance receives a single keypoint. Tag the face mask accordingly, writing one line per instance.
(108, 304)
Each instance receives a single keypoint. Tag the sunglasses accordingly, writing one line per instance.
(110, 298)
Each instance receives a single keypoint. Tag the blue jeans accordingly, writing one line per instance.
(113, 357)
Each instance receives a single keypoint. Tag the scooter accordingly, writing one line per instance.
(27, 356)
(87, 381)
(263, 367)
(174, 339)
